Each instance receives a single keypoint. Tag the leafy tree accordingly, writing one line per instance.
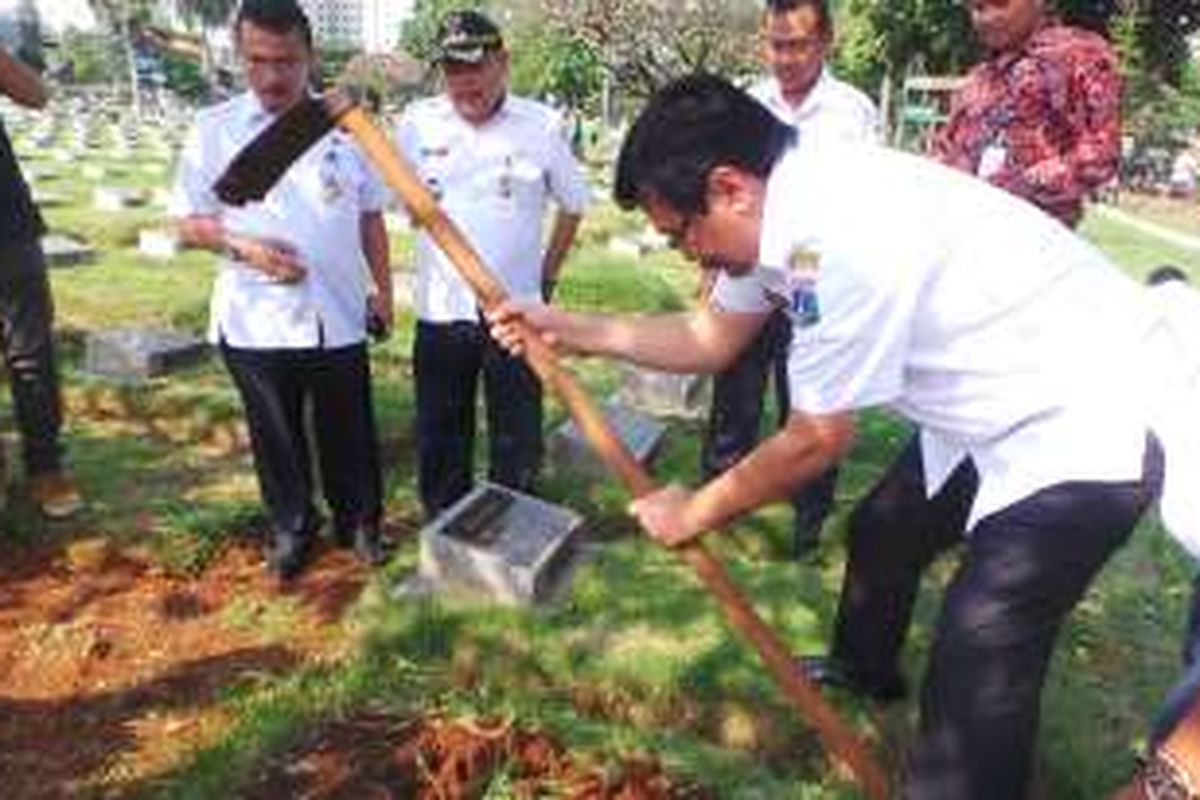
(123, 19)
(88, 58)
(29, 35)
(642, 44)
(206, 16)
(549, 62)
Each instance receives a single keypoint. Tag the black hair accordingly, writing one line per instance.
(689, 127)
(821, 6)
(1165, 274)
(278, 16)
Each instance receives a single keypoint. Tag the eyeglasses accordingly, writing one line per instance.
(678, 237)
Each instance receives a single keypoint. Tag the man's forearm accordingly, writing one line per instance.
(804, 449)
(561, 239)
(375, 251)
(20, 82)
(695, 341)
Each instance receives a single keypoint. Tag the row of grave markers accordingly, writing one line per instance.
(495, 543)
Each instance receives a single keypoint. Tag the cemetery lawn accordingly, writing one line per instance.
(144, 653)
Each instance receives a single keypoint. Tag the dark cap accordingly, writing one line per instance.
(466, 37)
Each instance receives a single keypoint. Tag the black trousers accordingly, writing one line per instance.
(26, 320)
(276, 387)
(1186, 692)
(1022, 570)
(448, 359)
(736, 413)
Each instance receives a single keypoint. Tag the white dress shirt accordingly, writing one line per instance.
(493, 180)
(316, 207)
(832, 111)
(1000, 333)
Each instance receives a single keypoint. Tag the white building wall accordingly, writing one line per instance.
(368, 25)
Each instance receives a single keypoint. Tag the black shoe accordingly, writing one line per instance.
(368, 547)
(288, 557)
(829, 671)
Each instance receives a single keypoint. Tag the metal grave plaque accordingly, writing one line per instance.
(664, 394)
(135, 353)
(506, 546)
(641, 433)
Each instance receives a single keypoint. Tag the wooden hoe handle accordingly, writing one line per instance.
(835, 735)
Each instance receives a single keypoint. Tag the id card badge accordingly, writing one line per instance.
(991, 160)
(505, 189)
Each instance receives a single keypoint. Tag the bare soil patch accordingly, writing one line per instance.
(377, 756)
(111, 669)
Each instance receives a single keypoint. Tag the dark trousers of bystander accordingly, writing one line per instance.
(736, 414)
(448, 361)
(1021, 572)
(276, 387)
(1186, 691)
(26, 322)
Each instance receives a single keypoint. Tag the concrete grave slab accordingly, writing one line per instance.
(63, 251)
(499, 545)
(45, 199)
(132, 354)
(110, 198)
(663, 394)
(158, 243)
(568, 451)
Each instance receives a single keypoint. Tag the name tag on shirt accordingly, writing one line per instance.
(991, 160)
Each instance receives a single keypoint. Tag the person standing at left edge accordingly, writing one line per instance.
(493, 161)
(291, 300)
(27, 317)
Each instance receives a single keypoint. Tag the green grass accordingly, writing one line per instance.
(636, 659)
(1138, 253)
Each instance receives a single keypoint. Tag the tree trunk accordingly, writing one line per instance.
(135, 99)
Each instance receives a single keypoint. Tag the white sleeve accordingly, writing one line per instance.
(564, 173)
(850, 349)
(744, 294)
(193, 193)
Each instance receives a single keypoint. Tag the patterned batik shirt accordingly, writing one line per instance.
(1042, 122)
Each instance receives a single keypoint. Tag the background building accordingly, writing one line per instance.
(372, 26)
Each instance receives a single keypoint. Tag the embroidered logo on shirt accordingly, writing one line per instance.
(801, 304)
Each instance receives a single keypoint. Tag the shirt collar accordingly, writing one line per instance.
(1003, 61)
(253, 113)
(811, 102)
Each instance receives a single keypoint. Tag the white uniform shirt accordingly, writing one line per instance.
(316, 207)
(1174, 352)
(832, 111)
(988, 324)
(493, 180)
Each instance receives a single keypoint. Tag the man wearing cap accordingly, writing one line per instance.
(493, 161)
(292, 297)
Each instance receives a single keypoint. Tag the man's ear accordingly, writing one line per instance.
(733, 188)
